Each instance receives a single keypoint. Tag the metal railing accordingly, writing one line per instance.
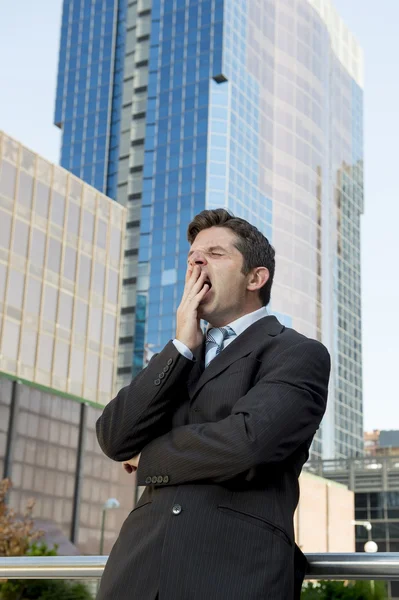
(366, 474)
(383, 565)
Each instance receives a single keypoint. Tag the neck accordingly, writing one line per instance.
(224, 320)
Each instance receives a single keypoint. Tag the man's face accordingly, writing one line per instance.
(214, 252)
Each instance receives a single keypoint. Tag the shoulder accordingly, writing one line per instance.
(300, 354)
(290, 338)
(292, 357)
(290, 342)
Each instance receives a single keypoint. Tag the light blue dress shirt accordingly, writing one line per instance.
(239, 325)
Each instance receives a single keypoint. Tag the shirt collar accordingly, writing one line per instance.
(241, 324)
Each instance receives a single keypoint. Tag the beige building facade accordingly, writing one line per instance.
(323, 519)
(61, 248)
(381, 442)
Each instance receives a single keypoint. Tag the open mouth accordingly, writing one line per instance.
(207, 293)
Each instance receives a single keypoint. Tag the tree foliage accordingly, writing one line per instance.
(18, 537)
(44, 589)
(343, 590)
(16, 533)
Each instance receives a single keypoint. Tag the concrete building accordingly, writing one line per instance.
(382, 442)
(174, 107)
(324, 518)
(375, 483)
(60, 269)
(60, 276)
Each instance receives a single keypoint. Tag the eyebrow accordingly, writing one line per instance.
(210, 249)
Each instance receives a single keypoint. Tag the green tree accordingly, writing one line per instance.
(342, 590)
(44, 589)
(18, 537)
(16, 533)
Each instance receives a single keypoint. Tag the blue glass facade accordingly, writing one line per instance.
(349, 188)
(254, 106)
(258, 122)
(203, 148)
(185, 60)
(89, 89)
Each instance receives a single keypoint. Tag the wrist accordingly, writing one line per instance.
(183, 349)
(184, 342)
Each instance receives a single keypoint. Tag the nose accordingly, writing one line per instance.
(197, 258)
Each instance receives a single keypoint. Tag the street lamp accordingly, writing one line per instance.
(109, 504)
(366, 524)
(369, 546)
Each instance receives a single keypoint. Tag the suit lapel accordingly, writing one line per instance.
(198, 368)
(256, 334)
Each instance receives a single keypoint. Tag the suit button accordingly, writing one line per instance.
(161, 375)
(169, 362)
(154, 479)
(157, 382)
(196, 409)
(159, 479)
(176, 510)
(148, 480)
(166, 479)
(165, 369)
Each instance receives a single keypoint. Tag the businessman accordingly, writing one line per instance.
(217, 427)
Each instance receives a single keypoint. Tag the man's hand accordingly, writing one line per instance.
(188, 328)
(132, 465)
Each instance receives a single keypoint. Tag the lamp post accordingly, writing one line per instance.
(109, 504)
(370, 545)
(366, 524)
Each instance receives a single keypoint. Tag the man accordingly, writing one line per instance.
(218, 428)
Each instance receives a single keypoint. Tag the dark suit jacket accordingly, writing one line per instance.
(221, 453)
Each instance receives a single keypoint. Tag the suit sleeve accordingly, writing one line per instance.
(281, 412)
(143, 410)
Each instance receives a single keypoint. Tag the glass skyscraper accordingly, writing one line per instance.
(251, 105)
(89, 89)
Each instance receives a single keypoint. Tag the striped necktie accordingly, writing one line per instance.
(214, 341)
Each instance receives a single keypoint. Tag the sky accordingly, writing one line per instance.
(29, 40)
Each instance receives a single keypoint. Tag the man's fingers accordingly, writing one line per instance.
(193, 287)
(197, 297)
(129, 468)
(188, 273)
(202, 292)
(198, 285)
(191, 279)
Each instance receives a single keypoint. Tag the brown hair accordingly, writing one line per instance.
(253, 245)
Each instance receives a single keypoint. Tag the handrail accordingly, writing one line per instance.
(359, 565)
(382, 565)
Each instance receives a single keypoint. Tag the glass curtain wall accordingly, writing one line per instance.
(185, 55)
(258, 107)
(89, 89)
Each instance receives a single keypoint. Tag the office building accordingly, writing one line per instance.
(60, 275)
(383, 442)
(61, 247)
(375, 483)
(254, 106)
(324, 516)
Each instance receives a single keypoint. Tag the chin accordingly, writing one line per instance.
(204, 312)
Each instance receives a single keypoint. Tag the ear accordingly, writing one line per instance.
(257, 278)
